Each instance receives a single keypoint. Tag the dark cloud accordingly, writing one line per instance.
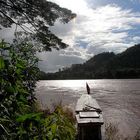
(52, 61)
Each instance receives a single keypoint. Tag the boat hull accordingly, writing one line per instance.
(89, 118)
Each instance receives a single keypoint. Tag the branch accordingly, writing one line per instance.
(30, 21)
(5, 3)
(11, 20)
(18, 11)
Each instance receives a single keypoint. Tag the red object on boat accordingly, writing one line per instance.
(88, 88)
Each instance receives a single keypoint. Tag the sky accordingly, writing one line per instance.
(100, 26)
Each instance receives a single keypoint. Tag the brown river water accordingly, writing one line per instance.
(119, 99)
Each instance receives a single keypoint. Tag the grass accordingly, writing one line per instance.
(112, 133)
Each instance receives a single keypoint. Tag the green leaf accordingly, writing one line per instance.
(22, 118)
(11, 89)
(53, 128)
(2, 44)
(1, 63)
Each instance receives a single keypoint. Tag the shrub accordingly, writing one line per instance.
(19, 117)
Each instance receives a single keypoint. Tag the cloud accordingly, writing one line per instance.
(95, 30)
(52, 61)
(7, 34)
(77, 6)
(136, 39)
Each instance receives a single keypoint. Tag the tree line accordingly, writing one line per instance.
(106, 65)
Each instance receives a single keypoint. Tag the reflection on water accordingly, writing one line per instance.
(119, 99)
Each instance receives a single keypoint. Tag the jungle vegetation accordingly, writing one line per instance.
(20, 117)
(107, 65)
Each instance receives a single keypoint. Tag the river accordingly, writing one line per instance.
(119, 99)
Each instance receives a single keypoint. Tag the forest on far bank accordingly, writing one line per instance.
(106, 65)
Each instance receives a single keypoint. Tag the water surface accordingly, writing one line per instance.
(119, 99)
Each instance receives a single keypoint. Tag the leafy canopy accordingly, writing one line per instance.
(34, 18)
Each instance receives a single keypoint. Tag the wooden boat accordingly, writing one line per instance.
(89, 118)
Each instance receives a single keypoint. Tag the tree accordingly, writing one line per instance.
(20, 118)
(34, 18)
(18, 67)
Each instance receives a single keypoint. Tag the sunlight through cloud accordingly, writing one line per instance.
(104, 28)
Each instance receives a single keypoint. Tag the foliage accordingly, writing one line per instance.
(105, 65)
(34, 17)
(17, 83)
(60, 125)
(19, 118)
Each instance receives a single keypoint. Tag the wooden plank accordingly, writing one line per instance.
(86, 102)
(88, 114)
(87, 121)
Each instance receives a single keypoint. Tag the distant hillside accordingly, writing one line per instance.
(104, 65)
